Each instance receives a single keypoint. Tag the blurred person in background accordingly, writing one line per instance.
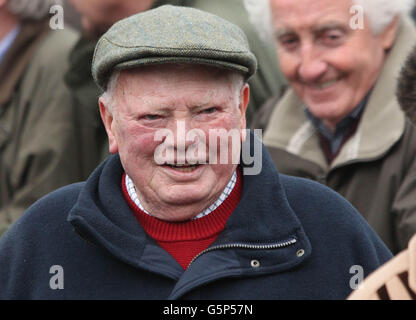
(340, 122)
(98, 15)
(39, 135)
(396, 279)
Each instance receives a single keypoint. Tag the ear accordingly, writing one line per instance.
(388, 35)
(107, 118)
(244, 100)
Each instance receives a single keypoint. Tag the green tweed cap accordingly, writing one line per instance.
(171, 34)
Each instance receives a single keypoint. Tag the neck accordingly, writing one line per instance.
(7, 22)
(176, 213)
(184, 212)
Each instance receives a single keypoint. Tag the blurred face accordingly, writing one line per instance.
(7, 20)
(157, 99)
(330, 66)
(98, 16)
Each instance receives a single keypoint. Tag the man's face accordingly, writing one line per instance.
(330, 66)
(153, 99)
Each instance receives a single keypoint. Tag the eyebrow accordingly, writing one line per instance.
(169, 108)
(283, 32)
(330, 26)
(316, 30)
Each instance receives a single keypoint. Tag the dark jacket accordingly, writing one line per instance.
(304, 237)
(376, 168)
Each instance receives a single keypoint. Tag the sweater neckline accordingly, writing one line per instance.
(226, 192)
(201, 228)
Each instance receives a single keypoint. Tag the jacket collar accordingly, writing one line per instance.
(19, 54)
(379, 129)
(102, 216)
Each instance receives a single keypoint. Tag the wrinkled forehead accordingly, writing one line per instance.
(178, 82)
(309, 14)
(174, 72)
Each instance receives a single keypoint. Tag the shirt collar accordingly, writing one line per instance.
(342, 128)
(226, 192)
(7, 42)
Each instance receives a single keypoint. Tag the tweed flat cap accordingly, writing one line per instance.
(170, 34)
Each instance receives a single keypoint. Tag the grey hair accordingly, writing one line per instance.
(32, 9)
(380, 13)
(108, 97)
(109, 94)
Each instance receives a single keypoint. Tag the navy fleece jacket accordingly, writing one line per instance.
(288, 238)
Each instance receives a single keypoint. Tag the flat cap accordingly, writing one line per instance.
(171, 34)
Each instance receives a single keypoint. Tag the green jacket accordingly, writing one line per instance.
(42, 141)
(263, 84)
(376, 168)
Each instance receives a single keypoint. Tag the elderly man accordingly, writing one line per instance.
(396, 280)
(40, 137)
(168, 216)
(340, 123)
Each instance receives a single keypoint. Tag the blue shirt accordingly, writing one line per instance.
(7, 42)
(336, 137)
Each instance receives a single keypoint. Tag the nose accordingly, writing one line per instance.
(181, 129)
(312, 67)
(180, 140)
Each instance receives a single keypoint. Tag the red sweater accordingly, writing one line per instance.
(184, 240)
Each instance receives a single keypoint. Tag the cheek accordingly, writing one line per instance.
(345, 60)
(230, 121)
(137, 142)
(224, 141)
(359, 56)
(288, 63)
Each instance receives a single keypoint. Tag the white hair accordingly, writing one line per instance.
(32, 9)
(109, 96)
(380, 13)
(259, 15)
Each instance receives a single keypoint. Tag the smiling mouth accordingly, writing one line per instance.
(323, 85)
(183, 167)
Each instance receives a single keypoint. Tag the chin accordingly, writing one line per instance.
(329, 110)
(185, 196)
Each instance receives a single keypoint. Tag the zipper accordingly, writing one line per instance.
(246, 246)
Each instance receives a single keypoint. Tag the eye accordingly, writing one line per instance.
(151, 117)
(289, 42)
(209, 110)
(332, 38)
